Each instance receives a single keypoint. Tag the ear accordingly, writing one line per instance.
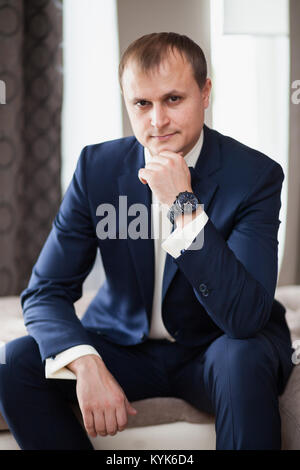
(206, 92)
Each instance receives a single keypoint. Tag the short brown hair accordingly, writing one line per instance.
(150, 50)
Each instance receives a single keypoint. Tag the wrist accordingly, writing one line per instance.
(181, 211)
(183, 219)
(83, 363)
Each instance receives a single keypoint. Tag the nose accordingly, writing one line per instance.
(159, 116)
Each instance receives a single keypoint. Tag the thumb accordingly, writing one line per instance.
(130, 409)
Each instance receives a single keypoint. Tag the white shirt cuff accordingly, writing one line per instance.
(182, 238)
(55, 368)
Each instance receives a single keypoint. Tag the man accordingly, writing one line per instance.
(189, 315)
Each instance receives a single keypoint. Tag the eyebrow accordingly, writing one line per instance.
(166, 95)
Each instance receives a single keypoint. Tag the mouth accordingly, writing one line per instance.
(163, 137)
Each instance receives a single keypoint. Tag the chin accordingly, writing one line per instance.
(163, 146)
(167, 147)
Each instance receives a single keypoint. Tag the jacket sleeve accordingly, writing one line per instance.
(235, 279)
(56, 281)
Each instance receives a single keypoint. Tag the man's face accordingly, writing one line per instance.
(165, 105)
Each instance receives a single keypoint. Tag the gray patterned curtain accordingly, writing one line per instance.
(30, 133)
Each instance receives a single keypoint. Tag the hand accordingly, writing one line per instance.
(102, 402)
(167, 175)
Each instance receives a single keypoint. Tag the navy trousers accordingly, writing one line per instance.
(236, 380)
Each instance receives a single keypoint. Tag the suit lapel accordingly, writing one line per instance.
(141, 249)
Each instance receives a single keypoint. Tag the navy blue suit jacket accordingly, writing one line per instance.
(226, 287)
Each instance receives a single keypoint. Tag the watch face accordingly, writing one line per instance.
(187, 198)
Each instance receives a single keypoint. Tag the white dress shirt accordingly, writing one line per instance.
(164, 242)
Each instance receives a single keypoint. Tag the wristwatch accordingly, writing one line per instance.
(185, 203)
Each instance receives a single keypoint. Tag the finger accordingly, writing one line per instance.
(142, 180)
(140, 173)
(121, 415)
(99, 421)
(130, 408)
(144, 175)
(89, 424)
(155, 165)
(160, 159)
(111, 421)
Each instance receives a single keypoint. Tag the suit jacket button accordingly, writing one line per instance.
(202, 288)
(182, 251)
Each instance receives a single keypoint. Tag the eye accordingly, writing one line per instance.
(174, 99)
(141, 103)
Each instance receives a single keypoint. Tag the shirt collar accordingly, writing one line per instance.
(191, 157)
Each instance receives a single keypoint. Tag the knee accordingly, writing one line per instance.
(249, 355)
(241, 356)
(20, 357)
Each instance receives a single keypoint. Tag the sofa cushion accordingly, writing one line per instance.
(162, 410)
(289, 401)
(289, 406)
